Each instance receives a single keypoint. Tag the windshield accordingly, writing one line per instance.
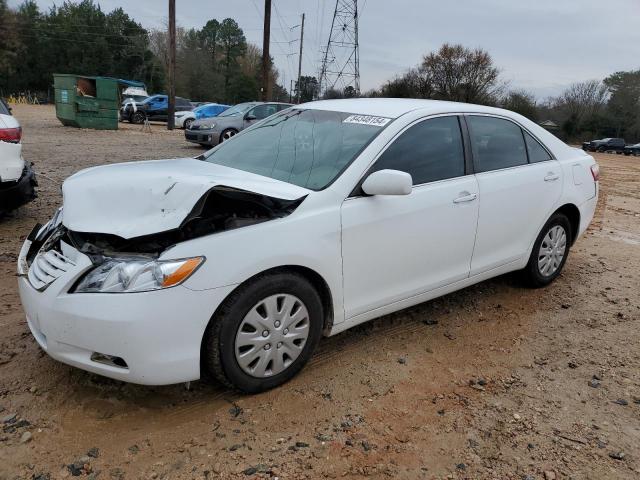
(308, 148)
(239, 109)
(135, 98)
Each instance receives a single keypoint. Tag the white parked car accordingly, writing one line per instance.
(17, 181)
(185, 118)
(316, 219)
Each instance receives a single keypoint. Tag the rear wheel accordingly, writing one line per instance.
(264, 333)
(550, 252)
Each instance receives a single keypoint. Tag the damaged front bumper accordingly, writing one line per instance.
(17, 193)
(150, 338)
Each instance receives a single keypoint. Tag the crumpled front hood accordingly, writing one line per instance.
(141, 198)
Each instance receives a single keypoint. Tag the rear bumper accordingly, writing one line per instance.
(16, 194)
(587, 211)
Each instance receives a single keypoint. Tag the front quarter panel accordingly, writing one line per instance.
(309, 237)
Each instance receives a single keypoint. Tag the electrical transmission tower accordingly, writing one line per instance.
(341, 59)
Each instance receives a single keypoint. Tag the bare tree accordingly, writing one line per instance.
(583, 100)
(522, 102)
(463, 75)
(452, 73)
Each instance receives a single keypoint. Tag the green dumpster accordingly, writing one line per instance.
(89, 102)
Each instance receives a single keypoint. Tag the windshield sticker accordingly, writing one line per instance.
(367, 120)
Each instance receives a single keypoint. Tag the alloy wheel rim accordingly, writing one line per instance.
(228, 134)
(272, 335)
(552, 251)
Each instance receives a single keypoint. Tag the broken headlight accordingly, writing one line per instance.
(137, 274)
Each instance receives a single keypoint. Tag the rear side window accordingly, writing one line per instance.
(496, 143)
(537, 153)
(4, 109)
(429, 151)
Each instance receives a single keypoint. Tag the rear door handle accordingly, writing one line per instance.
(466, 197)
(551, 177)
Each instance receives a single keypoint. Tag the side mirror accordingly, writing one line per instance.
(388, 182)
(250, 117)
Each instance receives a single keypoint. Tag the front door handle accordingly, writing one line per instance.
(466, 197)
(551, 177)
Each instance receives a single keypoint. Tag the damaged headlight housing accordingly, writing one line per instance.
(137, 274)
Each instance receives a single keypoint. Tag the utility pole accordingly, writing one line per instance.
(172, 66)
(300, 59)
(291, 91)
(266, 60)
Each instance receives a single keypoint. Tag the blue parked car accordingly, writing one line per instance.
(154, 107)
(208, 110)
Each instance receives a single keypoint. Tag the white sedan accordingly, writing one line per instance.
(185, 118)
(316, 219)
(17, 180)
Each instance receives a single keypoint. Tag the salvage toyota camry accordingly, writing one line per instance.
(234, 264)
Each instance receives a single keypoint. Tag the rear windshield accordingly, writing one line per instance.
(308, 148)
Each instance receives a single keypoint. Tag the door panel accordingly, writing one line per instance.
(518, 185)
(395, 247)
(514, 203)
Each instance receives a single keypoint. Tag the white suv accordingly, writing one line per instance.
(17, 180)
(316, 219)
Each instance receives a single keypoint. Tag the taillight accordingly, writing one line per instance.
(12, 135)
(595, 172)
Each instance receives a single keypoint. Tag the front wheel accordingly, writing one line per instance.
(137, 118)
(550, 252)
(227, 134)
(264, 333)
(187, 123)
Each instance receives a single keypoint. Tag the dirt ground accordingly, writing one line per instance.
(492, 382)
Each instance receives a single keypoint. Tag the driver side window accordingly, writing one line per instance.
(429, 151)
(262, 111)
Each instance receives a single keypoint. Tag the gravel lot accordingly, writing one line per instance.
(495, 381)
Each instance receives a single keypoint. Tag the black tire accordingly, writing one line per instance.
(229, 132)
(218, 346)
(600, 149)
(187, 123)
(531, 274)
(137, 117)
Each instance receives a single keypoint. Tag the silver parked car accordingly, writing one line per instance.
(212, 131)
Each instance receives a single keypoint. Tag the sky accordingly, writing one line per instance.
(539, 45)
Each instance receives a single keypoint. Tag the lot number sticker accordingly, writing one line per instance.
(367, 120)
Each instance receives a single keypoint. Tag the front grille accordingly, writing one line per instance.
(191, 136)
(46, 267)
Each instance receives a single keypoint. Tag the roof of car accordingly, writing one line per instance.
(395, 107)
